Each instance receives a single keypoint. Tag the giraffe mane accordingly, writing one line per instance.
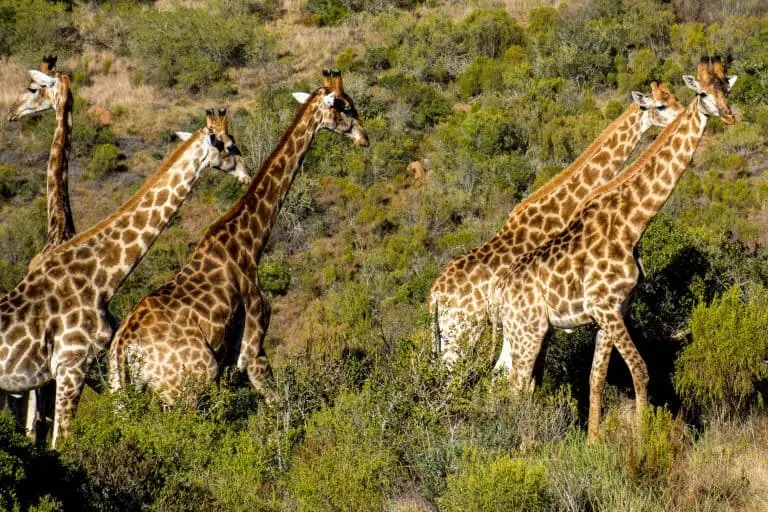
(585, 155)
(132, 202)
(267, 164)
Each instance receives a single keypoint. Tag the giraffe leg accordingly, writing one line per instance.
(32, 417)
(527, 328)
(637, 369)
(70, 378)
(3, 400)
(252, 357)
(597, 375)
(615, 332)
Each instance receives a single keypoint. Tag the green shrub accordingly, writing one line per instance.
(21, 235)
(722, 369)
(274, 275)
(326, 12)
(193, 49)
(32, 478)
(496, 483)
(227, 191)
(32, 28)
(12, 185)
(344, 463)
(490, 31)
(104, 160)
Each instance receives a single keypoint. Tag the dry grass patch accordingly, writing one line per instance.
(13, 80)
(115, 88)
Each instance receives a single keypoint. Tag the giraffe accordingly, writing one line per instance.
(37, 97)
(184, 329)
(587, 272)
(50, 89)
(460, 297)
(54, 323)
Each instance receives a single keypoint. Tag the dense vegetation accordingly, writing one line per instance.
(493, 101)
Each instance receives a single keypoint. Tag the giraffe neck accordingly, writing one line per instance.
(118, 242)
(249, 222)
(644, 188)
(557, 201)
(60, 224)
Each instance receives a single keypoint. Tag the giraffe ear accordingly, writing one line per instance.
(301, 97)
(641, 99)
(692, 83)
(329, 99)
(183, 135)
(41, 78)
(730, 80)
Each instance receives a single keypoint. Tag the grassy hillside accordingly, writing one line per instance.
(492, 98)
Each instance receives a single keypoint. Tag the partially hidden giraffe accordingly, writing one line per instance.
(50, 89)
(54, 323)
(460, 298)
(188, 328)
(38, 97)
(588, 272)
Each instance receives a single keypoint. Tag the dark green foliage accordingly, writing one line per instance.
(723, 369)
(496, 483)
(32, 478)
(31, 28)
(327, 12)
(104, 160)
(228, 190)
(12, 185)
(21, 236)
(488, 32)
(192, 48)
(274, 275)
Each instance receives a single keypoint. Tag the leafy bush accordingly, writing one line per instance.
(31, 28)
(274, 275)
(31, 478)
(723, 369)
(489, 32)
(343, 463)
(326, 12)
(193, 49)
(496, 483)
(104, 160)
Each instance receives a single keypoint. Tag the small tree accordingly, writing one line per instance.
(725, 365)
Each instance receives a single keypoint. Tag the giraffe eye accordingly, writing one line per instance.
(33, 91)
(661, 107)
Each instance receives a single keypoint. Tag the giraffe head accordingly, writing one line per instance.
(659, 108)
(223, 153)
(46, 89)
(711, 87)
(337, 110)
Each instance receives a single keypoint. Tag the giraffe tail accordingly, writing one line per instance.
(116, 364)
(436, 330)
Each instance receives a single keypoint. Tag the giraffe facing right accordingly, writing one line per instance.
(187, 329)
(461, 298)
(53, 324)
(588, 272)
